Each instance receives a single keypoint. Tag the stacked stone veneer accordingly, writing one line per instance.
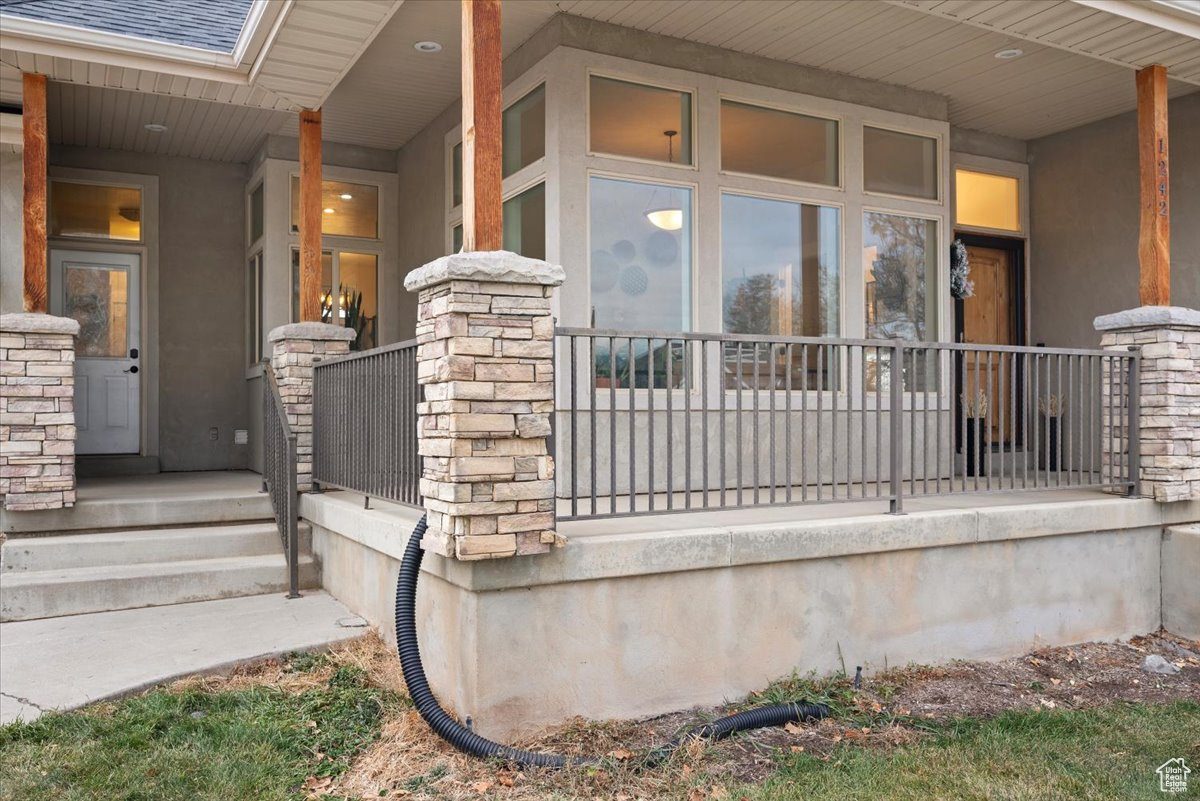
(1168, 338)
(294, 348)
(37, 411)
(485, 357)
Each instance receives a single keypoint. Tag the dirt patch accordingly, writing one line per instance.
(889, 709)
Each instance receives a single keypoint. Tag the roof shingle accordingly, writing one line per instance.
(206, 24)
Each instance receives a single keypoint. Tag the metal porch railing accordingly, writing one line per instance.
(279, 476)
(365, 423)
(652, 422)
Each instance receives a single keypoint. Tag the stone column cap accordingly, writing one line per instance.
(494, 266)
(1149, 317)
(311, 330)
(36, 323)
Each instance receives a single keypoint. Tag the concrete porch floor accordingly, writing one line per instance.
(66, 662)
(149, 500)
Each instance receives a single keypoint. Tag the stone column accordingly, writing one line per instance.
(294, 348)
(1168, 338)
(486, 360)
(37, 411)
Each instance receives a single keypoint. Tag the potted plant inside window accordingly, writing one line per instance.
(1052, 409)
(976, 411)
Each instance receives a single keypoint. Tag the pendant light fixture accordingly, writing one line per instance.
(668, 217)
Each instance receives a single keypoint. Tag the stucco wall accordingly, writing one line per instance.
(200, 302)
(10, 231)
(1083, 199)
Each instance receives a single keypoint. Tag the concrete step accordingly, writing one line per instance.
(144, 546)
(150, 510)
(52, 593)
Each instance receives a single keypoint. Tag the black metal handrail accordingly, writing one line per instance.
(279, 475)
(365, 423)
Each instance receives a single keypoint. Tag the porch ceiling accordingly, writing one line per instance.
(356, 58)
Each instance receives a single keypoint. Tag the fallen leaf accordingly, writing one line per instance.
(1046, 702)
(506, 779)
(792, 728)
(481, 787)
(719, 791)
(876, 707)
(837, 738)
(866, 730)
(621, 753)
(796, 749)
(696, 794)
(1056, 681)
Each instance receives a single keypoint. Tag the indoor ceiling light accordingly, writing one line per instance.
(155, 127)
(666, 219)
(427, 47)
(346, 196)
(328, 211)
(1009, 53)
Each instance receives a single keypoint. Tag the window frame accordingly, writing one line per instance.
(939, 149)
(51, 180)
(614, 75)
(839, 120)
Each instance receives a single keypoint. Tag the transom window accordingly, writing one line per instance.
(639, 121)
(778, 144)
(986, 200)
(346, 209)
(896, 163)
(95, 211)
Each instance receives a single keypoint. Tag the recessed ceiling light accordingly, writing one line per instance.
(155, 127)
(329, 211)
(346, 196)
(1009, 53)
(427, 47)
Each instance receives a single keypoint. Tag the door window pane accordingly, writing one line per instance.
(456, 235)
(900, 258)
(254, 332)
(456, 162)
(986, 200)
(95, 211)
(778, 144)
(641, 275)
(346, 209)
(524, 127)
(358, 297)
(525, 223)
(897, 163)
(630, 119)
(99, 300)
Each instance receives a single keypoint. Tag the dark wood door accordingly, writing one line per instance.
(989, 318)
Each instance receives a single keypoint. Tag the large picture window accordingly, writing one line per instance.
(355, 302)
(900, 265)
(641, 272)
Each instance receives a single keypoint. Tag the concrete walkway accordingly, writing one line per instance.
(66, 662)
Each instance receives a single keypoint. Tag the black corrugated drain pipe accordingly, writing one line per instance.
(468, 741)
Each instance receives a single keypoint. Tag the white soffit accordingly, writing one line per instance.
(1127, 34)
(394, 91)
(297, 54)
(925, 45)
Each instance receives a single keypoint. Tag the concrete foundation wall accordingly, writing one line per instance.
(1181, 581)
(1083, 198)
(644, 622)
(201, 311)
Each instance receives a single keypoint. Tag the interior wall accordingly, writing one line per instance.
(11, 230)
(1084, 209)
(200, 301)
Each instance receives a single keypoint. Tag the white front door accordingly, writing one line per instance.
(100, 290)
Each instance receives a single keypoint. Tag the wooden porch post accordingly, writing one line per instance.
(481, 84)
(310, 216)
(1154, 234)
(33, 118)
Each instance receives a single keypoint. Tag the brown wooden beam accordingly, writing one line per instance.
(481, 108)
(1154, 233)
(33, 123)
(310, 216)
